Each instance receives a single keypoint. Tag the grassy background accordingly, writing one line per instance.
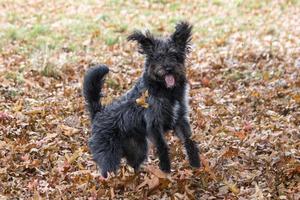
(62, 24)
(38, 29)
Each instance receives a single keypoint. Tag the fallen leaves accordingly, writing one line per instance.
(244, 100)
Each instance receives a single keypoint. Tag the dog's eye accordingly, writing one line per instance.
(157, 57)
(153, 66)
(173, 55)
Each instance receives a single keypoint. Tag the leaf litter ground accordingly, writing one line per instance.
(244, 72)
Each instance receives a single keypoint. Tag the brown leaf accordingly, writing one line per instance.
(152, 183)
(142, 101)
(232, 187)
(240, 134)
(36, 195)
(67, 130)
(156, 171)
(258, 193)
(4, 116)
(18, 106)
(112, 193)
(25, 157)
(35, 112)
(296, 97)
(247, 126)
(209, 101)
(74, 156)
(230, 152)
(205, 82)
(190, 193)
(33, 184)
(266, 76)
(207, 167)
(50, 136)
(255, 94)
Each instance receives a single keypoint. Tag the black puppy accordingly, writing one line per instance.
(121, 129)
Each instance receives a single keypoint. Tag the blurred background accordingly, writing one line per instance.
(244, 75)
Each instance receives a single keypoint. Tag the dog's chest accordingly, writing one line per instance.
(169, 115)
(175, 112)
(166, 110)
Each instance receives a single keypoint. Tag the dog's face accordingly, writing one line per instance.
(165, 57)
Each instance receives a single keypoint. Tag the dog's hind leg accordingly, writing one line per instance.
(135, 150)
(107, 151)
(183, 131)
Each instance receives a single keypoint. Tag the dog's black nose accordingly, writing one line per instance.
(169, 69)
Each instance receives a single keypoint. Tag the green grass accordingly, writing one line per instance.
(17, 77)
(60, 29)
(38, 30)
(174, 7)
(110, 41)
(49, 70)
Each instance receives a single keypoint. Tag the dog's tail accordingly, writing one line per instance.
(92, 85)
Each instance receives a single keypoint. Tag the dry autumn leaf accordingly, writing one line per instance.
(67, 130)
(156, 171)
(232, 187)
(152, 182)
(258, 193)
(190, 193)
(4, 116)
(240, 134)
(74, 156)
(296, 97)
(230, 152)
(142, 100)
(207, 167)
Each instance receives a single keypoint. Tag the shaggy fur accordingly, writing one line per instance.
(121, 129)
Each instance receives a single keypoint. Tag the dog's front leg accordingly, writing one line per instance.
(183, 131)
(156, 135)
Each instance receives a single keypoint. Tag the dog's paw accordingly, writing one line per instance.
(195, 162)
(194, 159)
(165, 167)
(136, 168)
(108, 174)
(104, 174)
(192, 153)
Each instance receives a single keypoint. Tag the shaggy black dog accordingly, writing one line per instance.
(121, 129)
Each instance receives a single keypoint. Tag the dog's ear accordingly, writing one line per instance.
(146, 41)
(182, 36)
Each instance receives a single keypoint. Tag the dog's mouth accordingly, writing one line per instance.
(169, 80)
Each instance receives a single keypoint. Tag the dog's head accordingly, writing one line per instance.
(165, 57)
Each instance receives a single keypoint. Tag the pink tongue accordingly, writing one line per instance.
(170, 81)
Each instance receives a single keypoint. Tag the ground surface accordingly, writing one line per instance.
(244, 72)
